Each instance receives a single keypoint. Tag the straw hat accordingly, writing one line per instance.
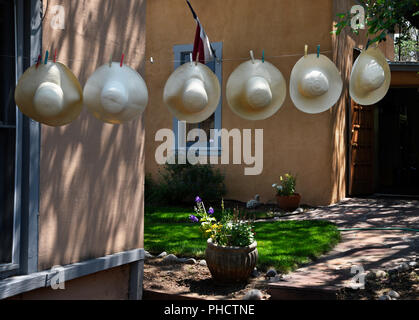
(192, 92)
(315, 84)
(256, 90)
(50, 94)
(115, 94)
(370, 78)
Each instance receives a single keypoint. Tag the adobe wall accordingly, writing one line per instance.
(92, 174)
(293, 141)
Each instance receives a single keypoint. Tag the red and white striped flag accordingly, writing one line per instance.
(202, 45)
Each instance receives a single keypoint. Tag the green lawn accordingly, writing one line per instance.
(179, 215)
(282, 245)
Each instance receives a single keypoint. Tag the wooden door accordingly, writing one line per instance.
(362, 150)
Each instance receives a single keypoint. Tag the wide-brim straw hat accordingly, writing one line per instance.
(115, 94)
(50, 94)
(256, 90)
(370, 77)
(192, 92)
(316, 84)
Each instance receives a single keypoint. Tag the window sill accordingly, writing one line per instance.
(8, 267)
(20, 284)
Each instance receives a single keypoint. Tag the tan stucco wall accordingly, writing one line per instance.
(293, 141)
(107, 285)
(92, 174)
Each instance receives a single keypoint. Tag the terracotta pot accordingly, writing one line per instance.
(289, 202)
(231, 264)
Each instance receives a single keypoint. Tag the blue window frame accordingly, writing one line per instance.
(211, 147)
(19, 141)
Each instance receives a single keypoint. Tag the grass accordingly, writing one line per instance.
(181, 215)
(283, 245)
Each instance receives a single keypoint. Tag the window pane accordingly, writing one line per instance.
(7, 130)
(7, 64)
(208, 124)
(7, 159)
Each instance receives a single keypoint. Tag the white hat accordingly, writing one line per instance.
(50, 94)
(256, 90)
(370, 77)
(315, 84)
(115, 94)
(192, 92)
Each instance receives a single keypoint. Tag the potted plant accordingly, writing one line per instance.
(231, 253)
(286, 196)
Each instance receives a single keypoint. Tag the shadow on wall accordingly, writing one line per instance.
(92, 174)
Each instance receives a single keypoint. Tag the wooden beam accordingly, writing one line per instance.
(136, 280)
(16, 285)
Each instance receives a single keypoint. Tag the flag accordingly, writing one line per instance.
(202, 45)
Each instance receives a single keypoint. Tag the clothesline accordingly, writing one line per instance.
(153, 61)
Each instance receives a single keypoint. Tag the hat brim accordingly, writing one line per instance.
(134, 84)
(355, 90)
(236, 89)
(313, 105)
(63, 77)
(174, 87)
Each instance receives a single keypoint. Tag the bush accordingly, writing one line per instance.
(180, 183)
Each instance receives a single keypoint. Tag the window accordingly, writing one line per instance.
(7, 135)
(211, 147)
(20, 44)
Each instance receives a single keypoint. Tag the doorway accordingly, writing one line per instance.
(397, 138)
(384, 145)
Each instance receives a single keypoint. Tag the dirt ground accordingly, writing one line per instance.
(406, 284)
(195, 281)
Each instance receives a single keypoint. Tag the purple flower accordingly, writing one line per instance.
(211, 211)
(193, 218)
(198, 200)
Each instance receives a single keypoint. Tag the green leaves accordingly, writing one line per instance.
(383, 17)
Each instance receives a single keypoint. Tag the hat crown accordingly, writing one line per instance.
(114, 97)
(258, 92)
(314, 84)
(195, 97)
(49, 99)
(372, 77)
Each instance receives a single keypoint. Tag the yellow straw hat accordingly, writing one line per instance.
(256, 90)
(192, 92)
(370, 77)
(50, 94)
(115, 94)
(315, 84)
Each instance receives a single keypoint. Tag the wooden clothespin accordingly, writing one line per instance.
(197, 58)
(305, 50)
(368, 44)
(46, 57)
(252, 56)
(38, 62)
